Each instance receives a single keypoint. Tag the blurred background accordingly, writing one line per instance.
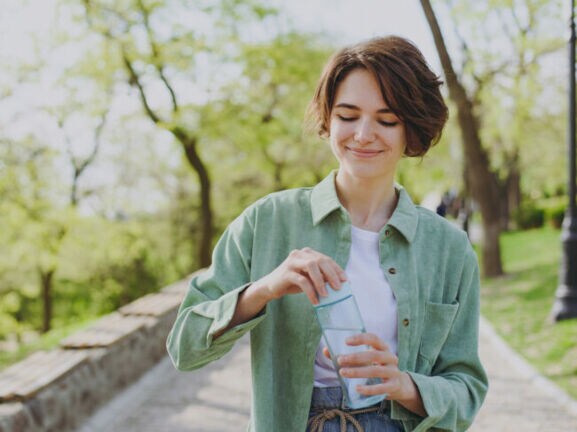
(133, 131)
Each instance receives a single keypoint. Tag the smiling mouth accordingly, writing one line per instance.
(364, 153)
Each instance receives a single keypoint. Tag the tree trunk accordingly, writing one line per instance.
(506, 222)
(186, 139)
(513, 188)
(207, 223)
(46, 278)
(483, 183)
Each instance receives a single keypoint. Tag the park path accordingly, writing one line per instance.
(217, 397)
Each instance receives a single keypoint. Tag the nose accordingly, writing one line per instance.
(365, 132)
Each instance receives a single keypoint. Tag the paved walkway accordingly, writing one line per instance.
(217, 397)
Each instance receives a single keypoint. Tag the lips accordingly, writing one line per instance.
(364, 153)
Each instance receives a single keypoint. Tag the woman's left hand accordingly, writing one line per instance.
(380, 362)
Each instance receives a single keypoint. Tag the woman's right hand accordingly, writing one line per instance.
(304, 270)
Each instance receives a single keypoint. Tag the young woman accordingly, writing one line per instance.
(414, 275)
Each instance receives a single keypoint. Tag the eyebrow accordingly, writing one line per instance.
(354, 107)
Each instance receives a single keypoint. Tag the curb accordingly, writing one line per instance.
(526, 370)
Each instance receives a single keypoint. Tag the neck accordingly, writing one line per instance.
(370, 203)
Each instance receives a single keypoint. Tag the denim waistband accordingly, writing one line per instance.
(332, 397)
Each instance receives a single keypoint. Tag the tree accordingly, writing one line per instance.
(41, 228)
(496, 97)
(483, 183)
(508, 84)
(268, 103)
(155, 60)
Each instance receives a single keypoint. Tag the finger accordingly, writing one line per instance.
(305, 286)
(331, 273)
(314, 273)
(306, 262)
(334, 274)
(373, 389)
(379, 371)
(369, 339)
(391, 387)
(369, 357)
(326, 352)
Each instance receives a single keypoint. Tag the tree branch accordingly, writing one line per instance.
(267, 116)
(79, 166)
(134, 79)
(467, 56)
(156, 56)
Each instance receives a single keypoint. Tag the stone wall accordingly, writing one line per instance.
(56, 390)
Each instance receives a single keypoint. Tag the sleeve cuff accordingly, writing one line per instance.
(435, 411)
(221, 312)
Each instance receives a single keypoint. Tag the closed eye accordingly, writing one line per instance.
(381, 122)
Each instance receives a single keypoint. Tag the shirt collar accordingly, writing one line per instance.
(324, 201)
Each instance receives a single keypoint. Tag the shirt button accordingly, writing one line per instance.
(387, 233)
(393, 270)
(406, 322)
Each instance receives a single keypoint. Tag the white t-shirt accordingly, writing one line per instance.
(374, 297)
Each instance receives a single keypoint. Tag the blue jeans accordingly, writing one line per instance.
(329, 398)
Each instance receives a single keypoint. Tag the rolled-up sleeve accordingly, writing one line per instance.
(211, 300)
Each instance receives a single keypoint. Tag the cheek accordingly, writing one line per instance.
(333, 142)
(399, 138)
(339, 131)
(333, 129)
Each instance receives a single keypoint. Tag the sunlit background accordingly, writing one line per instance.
(116, 116)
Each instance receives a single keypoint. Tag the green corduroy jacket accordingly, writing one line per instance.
(432, 270)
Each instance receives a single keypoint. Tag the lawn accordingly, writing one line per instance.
(519, 305)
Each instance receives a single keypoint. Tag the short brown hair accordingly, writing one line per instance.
(408, 85)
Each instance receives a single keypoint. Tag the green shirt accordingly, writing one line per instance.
(432, 270)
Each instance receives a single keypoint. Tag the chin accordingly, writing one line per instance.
(365, 174)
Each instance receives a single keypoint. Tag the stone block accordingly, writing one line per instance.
(15, 417)
(43, 368)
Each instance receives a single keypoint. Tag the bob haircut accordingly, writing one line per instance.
(408, 86)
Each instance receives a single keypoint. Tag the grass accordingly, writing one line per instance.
(46, 341)
(519, 305)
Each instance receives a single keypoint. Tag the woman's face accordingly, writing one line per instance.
(366, 137)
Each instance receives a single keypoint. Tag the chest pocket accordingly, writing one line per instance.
(439, 319)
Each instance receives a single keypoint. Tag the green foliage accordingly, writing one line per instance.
(555, 208)
(519, 305)
(508, 54)
(15, 350)
(529, 215)
(254, 130)
(98, 263)
(241, 85)
(536, 213)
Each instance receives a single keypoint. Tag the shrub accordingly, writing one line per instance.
(529, 215)
(554, 209)
(555, 215)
